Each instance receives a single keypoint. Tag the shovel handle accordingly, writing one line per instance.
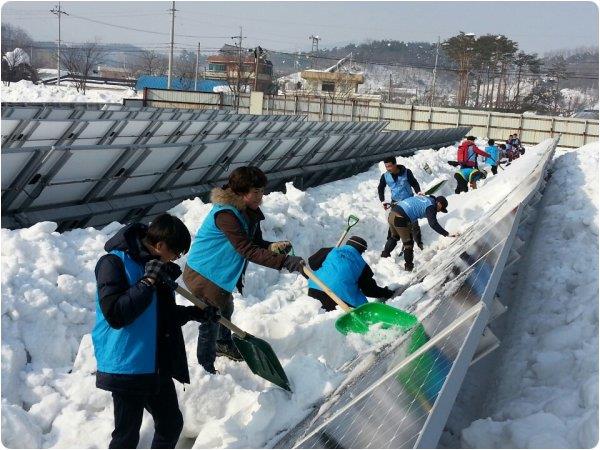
(200, 304)
(310, 274)
(352, 220)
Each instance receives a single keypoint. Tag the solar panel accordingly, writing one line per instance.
(168, 149)
(402, 399)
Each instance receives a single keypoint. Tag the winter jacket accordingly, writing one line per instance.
(366, 283)
(340, 272)
(400, 184)
(471, 175)
(418, 207)
(494, 153)
(138, 327)
(227, 240)
(467, 154)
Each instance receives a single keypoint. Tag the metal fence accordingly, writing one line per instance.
(532, 129)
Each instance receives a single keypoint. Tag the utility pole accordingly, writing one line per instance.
(197, 65)
(437, 54)
(390, 92)
(256, 56)
(170, 76)
(314, 45)
(58, 12)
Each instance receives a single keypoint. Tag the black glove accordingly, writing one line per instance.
(388, 294)
(154, 269)
(294, 263)
(208, 314)
(172, 270)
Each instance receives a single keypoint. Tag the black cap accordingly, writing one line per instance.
(442, 200)
(358, 243)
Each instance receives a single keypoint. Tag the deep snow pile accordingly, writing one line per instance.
(547, 381)
(26, 91)
(48, 393)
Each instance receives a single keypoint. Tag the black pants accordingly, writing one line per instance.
(209, 333)
(495, 170)
(461, 184)
(129, 408)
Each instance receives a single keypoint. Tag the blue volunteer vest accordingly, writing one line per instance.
(466, 173)
(340, 272)
(132, 349)
(213, 256)
(470, 174)
(400, 188)
(493, 151)
(415, 207)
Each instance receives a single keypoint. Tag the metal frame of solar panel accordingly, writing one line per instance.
(404, 397)
(216, 158)
(70, 133)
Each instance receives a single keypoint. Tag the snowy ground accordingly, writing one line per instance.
(26, 91)
(48, 393)
(546, 372)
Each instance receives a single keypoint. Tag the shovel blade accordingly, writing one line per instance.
(262, 360)
(359, 319)
(434, 188)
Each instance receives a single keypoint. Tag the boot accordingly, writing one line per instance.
(210, 368)
(408, 259)
(390, 245)
(229, 350)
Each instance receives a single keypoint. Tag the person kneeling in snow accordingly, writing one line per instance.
(410, 210)
(346, 273)
(137, 337)
(229, 237)
(470, 176)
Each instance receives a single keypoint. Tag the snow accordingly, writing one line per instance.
(547, 381)
(26, 91)
(16, 57)
(49, 398)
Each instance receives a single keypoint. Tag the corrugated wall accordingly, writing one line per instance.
(532, 129)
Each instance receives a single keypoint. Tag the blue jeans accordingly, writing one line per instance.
(209, 333)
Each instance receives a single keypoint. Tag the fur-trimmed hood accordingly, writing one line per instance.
(227, 197)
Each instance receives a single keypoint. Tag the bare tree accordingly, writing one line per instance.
(185, 69)
(14, 37)
(79, 61)
(150, 62)
(239, 74)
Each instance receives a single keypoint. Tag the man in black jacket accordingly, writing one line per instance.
(367, 286)
(137, 337)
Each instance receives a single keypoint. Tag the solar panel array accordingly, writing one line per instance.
(403, 398)
(83, 166)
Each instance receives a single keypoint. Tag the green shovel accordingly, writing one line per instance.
(357, 320)
(352, 220)
(258, 354)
